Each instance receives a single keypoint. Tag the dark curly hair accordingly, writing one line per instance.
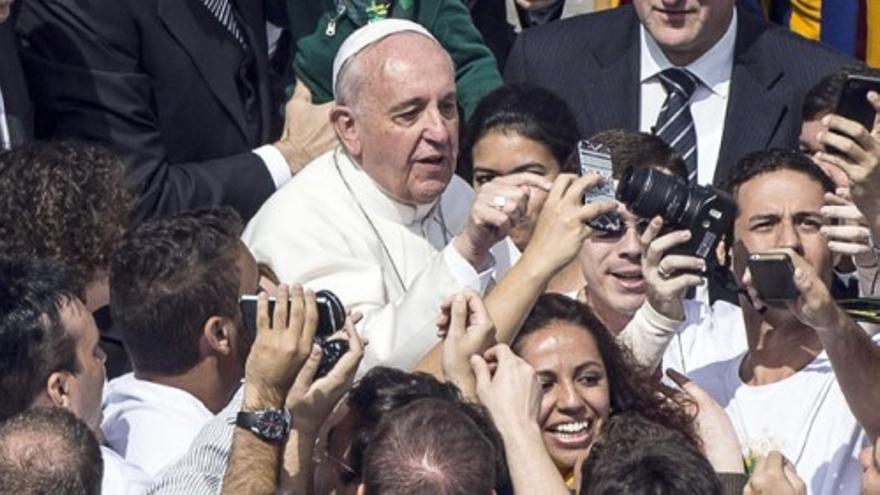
(631, 387)
(63, 201)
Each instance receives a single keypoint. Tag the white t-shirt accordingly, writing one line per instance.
(709, 335)
(804, 416)
(148, 424)
(120, 477)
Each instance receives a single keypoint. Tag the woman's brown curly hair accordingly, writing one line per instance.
(64, 201)
(631, 387)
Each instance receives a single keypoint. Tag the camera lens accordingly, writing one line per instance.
(648, 192)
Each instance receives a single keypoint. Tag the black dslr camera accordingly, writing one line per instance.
(331, 318)
(706, 211)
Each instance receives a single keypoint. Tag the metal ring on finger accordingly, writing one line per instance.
(499, 202)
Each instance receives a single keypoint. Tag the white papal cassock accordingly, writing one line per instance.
(331, 227)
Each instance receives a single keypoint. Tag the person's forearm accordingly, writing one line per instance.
(515, 294)
(531, 468)
(253, 462)
(508, 304)
(296, 474)
(855, 359)
(253, 465)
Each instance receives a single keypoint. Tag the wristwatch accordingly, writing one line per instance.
(271, 425)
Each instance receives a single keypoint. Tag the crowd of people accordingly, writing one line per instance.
(350, 247)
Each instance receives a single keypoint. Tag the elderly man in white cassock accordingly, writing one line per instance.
(381, 220)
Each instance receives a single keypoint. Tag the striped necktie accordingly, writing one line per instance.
(675, 124)
(223, 11)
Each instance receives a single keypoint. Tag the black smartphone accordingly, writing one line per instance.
(331, 318)
(773, 276)
(853, 101)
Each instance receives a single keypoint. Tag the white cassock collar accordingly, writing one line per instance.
(374, 199)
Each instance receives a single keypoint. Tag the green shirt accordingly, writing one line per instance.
(476, 72)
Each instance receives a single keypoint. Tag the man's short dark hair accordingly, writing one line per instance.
(64, 201)
(766, 161)
(635, 455)
(167, 278)
(822, 98)
(639, 150)
(429, 446)
(33, 341)
(49, 450)
(383, 390)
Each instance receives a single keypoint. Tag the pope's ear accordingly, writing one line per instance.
(343, 118)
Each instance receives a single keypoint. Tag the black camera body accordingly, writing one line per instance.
(331, 318)
(706, 211)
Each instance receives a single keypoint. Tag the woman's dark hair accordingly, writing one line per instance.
(631, 387)
(528, 110)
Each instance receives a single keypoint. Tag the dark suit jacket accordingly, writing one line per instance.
(164, 83)
(16, 102)
(592, 61)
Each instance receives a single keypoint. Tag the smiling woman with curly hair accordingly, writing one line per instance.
(64, 201)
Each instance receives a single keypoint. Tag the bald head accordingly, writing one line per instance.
(48, 451)
(429, 446)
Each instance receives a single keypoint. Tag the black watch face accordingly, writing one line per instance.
(273, 425)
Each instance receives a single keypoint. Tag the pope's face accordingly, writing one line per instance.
(406, 119)
(685, 29)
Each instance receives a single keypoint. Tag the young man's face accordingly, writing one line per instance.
(781, 209)
(87, 385)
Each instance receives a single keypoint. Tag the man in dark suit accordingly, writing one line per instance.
(16, 113)
(747, 78)
(179, 87)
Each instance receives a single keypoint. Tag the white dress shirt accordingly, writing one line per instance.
(313, 232)
(148, 424)
(709, 101)
(120, 477)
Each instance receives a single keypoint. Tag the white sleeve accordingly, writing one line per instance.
(275, 163)
(464, 272)
(400, 326)
(648, 334)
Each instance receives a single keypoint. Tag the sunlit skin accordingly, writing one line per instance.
(499, 153)
(331, 473)
(870, 460)
(88, 384)
(405, 132)
(685, 29)
(782, 209)
(576, 391)
(612, 267)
